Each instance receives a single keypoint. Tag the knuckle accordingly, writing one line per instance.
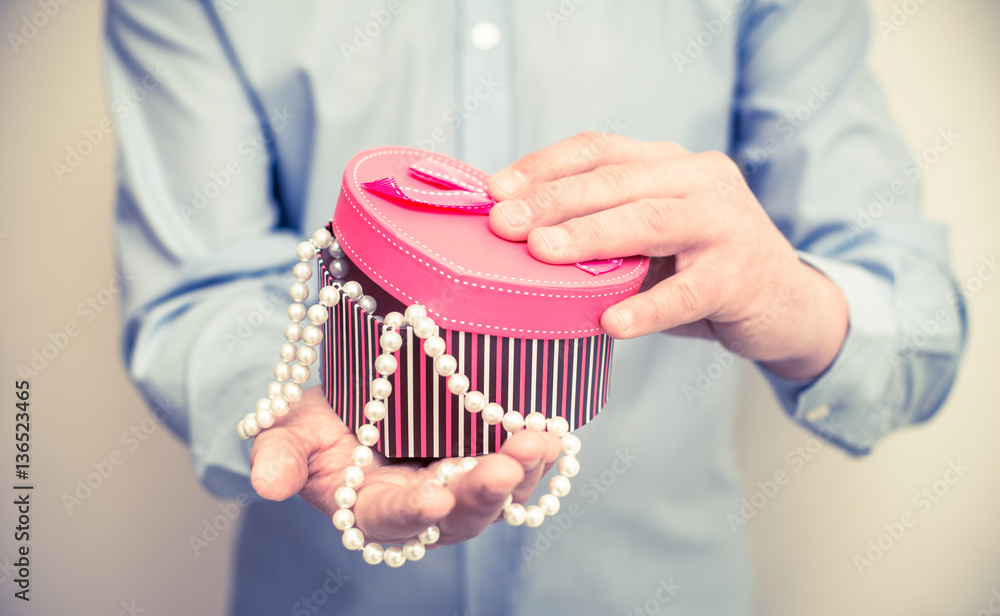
(586, 229)
(618, 179)
(719, 162)
(690, 295)
(650, 215)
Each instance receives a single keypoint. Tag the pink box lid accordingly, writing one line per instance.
(450, 261)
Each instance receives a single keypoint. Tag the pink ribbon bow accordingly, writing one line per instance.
(461, 191)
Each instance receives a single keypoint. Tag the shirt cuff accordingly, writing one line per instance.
(846, 404)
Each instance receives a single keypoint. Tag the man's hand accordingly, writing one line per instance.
(732, 276)
(306, 452)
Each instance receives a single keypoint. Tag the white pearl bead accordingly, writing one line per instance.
(446, 471)
(273, 389)
(381, 388)
(317, 314)
(362, 455)
(533, 516)
(250, 425)
(322, 238)
(414, 312)
(445, 365)
(306, 355)
(475, 401)
(424, 327)
(385, 364)
(353, 476)
(458, 384)
(431, 535)
(241, 431)
(353, 290)
(559, 485)
(264, 403)
(302, 272)
(299, 291)
(305, 251)
(558, 426)
(292, 391)
(514, 514)
(287, 351)
(293, 333)
(335, 250)
(279, 406)
(282, 371)
(467, 464)
(413, 549)
(390, 341)
(512, 421)
(297, 312)
(535, 421)
(569, 466)
(345, 497)
(492, 414)
(507, 501)
(394, 556)
(264, 417)
(339, 268)
(343, 519)
(373, 553)
(299, 373)
(549, 503)
(434, 346)
(571, 444)
(368, 434)
(394, 319)
(368, 304)
(375, 410)
(312, 335)
(353, 539)
(328, 296)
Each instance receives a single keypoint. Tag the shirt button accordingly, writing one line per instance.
(485, 35)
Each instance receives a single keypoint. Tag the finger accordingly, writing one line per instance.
(577, 154)
(388, 512)
(683, 298)
(607, 186)
(653, 227)
(279, 464)
(480, 495)
(536, 451)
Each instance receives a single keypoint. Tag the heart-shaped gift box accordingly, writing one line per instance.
(410, 228)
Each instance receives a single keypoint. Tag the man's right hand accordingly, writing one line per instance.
(307, 450)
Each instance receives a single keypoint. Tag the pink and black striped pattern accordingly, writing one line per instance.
(566, 378)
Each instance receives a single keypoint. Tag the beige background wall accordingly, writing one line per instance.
(129, 543)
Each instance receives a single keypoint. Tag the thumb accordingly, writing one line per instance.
(278, 464)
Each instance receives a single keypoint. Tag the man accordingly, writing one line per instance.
(800, 248)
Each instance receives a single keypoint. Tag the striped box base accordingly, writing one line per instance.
(558, 378)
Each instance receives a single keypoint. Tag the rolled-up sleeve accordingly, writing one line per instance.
(817, 146)
(197, 228)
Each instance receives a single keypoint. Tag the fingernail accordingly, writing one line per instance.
(516, 213)
(554, 237)
(624, 319)
(509, 181)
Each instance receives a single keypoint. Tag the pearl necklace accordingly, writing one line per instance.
(287, 388)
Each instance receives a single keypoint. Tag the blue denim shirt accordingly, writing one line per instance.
(235, 120)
